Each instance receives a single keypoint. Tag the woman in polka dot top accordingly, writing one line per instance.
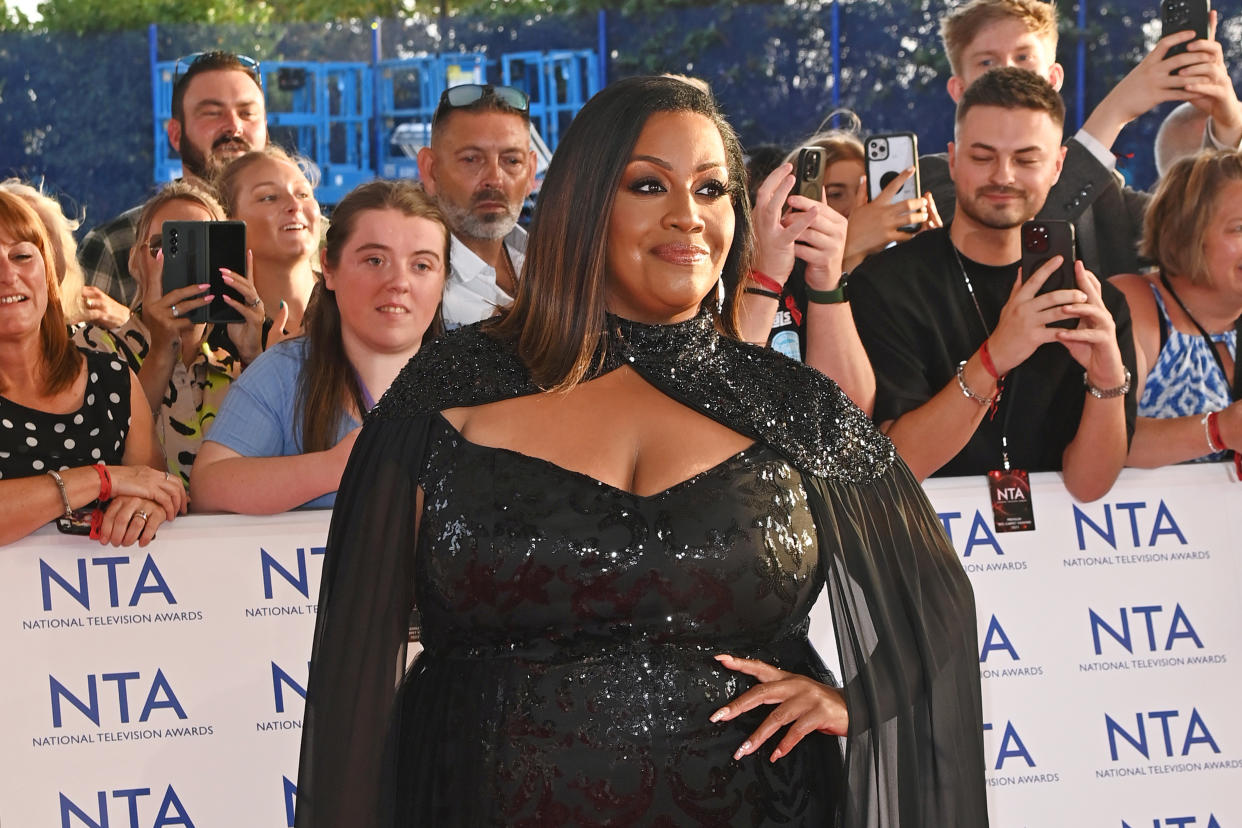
(76, 435)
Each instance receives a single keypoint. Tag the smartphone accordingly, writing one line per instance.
(194, 252)
(1041, 240)
(77, 522)
(887, 157)
(1184, 15)
(809, 173)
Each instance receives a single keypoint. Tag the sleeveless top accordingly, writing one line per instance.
(1185, 378)
(33, 441)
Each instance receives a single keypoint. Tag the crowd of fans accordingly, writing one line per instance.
(117, 410)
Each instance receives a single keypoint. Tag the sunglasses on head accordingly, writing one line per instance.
(183, 64)
(470, 93)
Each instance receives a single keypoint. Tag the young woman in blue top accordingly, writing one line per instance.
(287, 426)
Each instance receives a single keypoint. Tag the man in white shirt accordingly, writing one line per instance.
(480, 167)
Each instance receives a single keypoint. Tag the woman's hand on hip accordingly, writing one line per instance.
(805, 705)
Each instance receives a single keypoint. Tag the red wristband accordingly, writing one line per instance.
(766, 281)
(986, 358)
(1213, 425)
(105, 483)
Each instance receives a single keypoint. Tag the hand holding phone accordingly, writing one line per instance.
(1041, 241)
(194, 253)
(809, 172)
(1184, 15)
(889, 156)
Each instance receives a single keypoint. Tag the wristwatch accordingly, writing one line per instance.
(830, 297)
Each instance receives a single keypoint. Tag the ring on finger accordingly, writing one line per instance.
(174, 311)
(257, 301)
(141, 514)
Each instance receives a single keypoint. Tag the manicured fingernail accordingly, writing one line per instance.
(723, 656)
(206, 286)
(720, 714)
(282, 303)
(742, 751)
(224, 274)
(209, 297)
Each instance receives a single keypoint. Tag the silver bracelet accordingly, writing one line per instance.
(966, 390)
(1107, 393)
(1206, 422)
(64, 494)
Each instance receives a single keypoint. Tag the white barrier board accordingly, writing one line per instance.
(163, 686)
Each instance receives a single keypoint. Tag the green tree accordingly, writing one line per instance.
(12, 20)
(106, 15)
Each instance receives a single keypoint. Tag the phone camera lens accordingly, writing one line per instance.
(1037, 242)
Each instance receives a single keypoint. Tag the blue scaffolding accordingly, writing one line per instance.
(407, 92)
(558, 83)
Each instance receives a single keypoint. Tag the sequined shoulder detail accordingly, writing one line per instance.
(809, 417)
(757, 392)
(464, 367)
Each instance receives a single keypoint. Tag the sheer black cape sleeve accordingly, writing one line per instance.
(902, 606)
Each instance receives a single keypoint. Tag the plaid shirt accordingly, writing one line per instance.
(104, 256)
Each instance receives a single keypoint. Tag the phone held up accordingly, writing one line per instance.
(194, 252)
(887, 157)
(809, 173)
(1042, 240)
(1183, 16)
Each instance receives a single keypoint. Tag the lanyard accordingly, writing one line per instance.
(970, 289)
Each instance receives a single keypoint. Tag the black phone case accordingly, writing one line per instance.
(1041, 240)
(809, 173)
(194, 252)
(886, 156)
(1181, 16)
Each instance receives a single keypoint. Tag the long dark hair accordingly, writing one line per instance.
(328, 386)
(558, 316)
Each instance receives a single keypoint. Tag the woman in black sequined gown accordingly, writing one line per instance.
(614, 519)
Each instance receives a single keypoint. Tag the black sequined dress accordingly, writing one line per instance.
(569, 627)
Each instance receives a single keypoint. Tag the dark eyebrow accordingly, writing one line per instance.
(660, 162)
(989, 148)
(386, 248)
(217, 102)
(510, 150)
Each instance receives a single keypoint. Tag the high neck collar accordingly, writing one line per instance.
(630, 341)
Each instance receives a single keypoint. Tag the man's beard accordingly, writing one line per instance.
(207, 166)
(1012, 216)
(490, 226)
